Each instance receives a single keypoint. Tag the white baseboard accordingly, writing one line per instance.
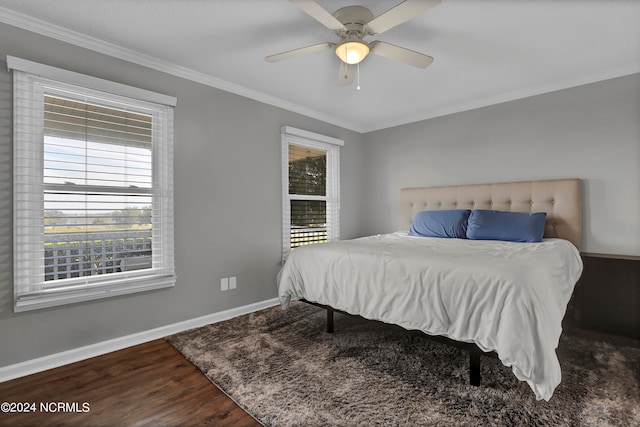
(77, 354)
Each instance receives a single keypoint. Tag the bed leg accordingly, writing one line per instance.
(474, 367)
(330, 320)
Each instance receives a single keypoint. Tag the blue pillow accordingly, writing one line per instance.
(445, 223)
(508, 226)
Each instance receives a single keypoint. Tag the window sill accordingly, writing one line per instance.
(46, 299)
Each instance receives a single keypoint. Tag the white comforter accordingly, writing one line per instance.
(503, 296)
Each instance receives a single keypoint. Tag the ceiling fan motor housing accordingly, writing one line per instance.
(354, 18)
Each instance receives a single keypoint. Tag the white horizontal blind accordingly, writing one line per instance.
(311, 190)
(93, 190)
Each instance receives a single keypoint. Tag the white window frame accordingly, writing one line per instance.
(31, 81)
(300, 137)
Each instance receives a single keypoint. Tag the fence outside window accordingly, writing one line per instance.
(307, 235)
(70, 255)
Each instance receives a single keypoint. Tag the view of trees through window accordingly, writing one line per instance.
(56, 221)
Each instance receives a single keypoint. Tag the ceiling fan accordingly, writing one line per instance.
(352, 24)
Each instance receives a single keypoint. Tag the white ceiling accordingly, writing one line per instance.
(485, 51)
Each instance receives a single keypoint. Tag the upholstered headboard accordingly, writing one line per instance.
(560, 199)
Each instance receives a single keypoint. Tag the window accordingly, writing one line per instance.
(93, 188)
(311, 188)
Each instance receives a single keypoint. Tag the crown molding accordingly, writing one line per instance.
(43, 28)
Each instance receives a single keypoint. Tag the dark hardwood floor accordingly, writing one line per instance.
(149, 384)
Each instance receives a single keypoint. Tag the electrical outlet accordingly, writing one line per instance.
(224, 284)
(232, 282)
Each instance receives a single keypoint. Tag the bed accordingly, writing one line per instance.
(496, 296)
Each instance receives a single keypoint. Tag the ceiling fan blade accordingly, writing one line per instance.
(397, 15)
(296, 52)
(345, 78)
(410, 57)
(314, 10)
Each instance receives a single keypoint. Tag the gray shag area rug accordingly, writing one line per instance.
(285, 370)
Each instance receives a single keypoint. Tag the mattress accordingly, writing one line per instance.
(503, 296)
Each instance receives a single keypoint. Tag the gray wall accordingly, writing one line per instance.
(227, 205)
(590, 132)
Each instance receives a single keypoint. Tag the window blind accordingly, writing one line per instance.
(70, 119)
(93, 190)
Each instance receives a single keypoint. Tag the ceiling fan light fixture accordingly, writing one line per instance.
(352, 52)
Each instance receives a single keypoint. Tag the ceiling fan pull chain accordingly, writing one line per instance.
(358, 71)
